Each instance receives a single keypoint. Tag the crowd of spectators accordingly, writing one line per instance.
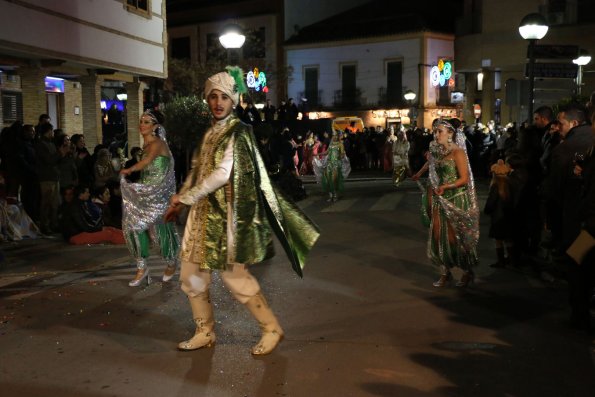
(541, 197)
(44, 171)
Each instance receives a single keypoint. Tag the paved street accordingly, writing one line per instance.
(364, 321)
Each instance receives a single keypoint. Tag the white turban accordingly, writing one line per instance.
(225, 83)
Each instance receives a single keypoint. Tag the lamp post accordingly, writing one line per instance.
(410, 97)
(583, 59)
(231, 39)
(533, 27)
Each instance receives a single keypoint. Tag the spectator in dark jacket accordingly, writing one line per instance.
(67, 166)
(83, 160)
(269, 112)
(48, 158)
(581, 277)
(27, 164)
(292, 110)
(564, 187)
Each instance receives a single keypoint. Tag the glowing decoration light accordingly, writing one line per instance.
(435, 76)
(447, 70)
(257, 80)
(441, 74)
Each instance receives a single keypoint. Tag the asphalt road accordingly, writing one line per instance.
(364, 321)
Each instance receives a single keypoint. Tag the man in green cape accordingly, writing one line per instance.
(234, 212)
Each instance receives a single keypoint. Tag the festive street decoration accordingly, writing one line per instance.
(441, 74)
(257, 80)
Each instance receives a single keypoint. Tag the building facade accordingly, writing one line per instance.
(195, 25)
(69, 58)
(492, 56)
(199, 42)
(368, 77)
(361, 63)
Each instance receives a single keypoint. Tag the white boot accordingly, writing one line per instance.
(272, 333)
(202, 310)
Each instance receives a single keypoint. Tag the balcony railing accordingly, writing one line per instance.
(348, 99)
(386, 100)
(313, 102)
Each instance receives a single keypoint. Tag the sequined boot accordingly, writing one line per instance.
(142, 273)
(170, 270)
(272, 333)
(202, 310)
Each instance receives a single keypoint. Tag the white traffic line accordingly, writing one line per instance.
(339, 206)
(387, 202)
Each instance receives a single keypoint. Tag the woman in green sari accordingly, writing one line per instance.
(450, 206)
(332, 167)
(144, 203)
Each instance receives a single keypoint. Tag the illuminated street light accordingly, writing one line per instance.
(533, 27)
(232, 38)
(583, 59)
(409, 96)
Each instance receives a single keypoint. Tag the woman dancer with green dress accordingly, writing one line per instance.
(450, 206)
(144, 203)
(332, 167)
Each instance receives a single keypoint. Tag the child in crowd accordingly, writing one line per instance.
(81, 220)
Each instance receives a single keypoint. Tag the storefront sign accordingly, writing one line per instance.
(53, 84)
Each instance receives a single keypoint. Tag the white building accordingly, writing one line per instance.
(85, 46)
(361, 62)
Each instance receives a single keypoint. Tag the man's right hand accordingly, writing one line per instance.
(172, 213)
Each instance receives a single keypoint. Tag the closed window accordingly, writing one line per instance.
(215, 51)
(394, 82)
(348, 85)
(142, 7)
(254, 47)
(311, 85)
(12, 106)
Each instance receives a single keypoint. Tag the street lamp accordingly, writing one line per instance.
(583, 59)
(410, 97)
(533, 27)
(231, 38)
